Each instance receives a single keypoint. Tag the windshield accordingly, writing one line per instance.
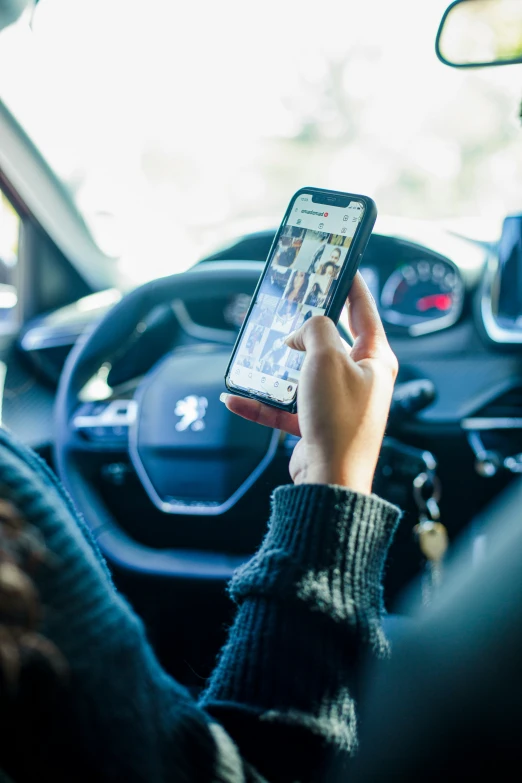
(178, 125)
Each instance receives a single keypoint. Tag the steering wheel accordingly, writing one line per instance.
(192, 456)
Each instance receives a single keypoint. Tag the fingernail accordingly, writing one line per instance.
(288, 338)
(224, 397)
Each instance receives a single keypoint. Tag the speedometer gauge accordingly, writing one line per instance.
(423, 296)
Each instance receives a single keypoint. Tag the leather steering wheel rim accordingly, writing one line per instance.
(207, 280)
(204, 282)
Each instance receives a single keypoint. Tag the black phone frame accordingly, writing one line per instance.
(331, 198)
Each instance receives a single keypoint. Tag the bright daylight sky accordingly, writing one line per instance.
(192, 122)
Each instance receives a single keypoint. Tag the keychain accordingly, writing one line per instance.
(431, 534)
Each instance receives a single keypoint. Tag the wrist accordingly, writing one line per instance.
(327, 474)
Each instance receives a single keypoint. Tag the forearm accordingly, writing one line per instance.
(310, 606)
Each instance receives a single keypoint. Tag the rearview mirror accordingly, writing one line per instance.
(475, 33)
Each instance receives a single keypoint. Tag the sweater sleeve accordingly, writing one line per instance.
(309, 604)
(309, 610)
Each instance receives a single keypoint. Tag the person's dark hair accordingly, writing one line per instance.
(314, 294)
(316, 257)
(329, 264)
(302, 288)
(286, 255)
(33, 672)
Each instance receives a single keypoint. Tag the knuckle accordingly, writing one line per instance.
(393, 364)
(387, 359)
(260, 414)
(385, 370)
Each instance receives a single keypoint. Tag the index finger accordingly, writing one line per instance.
(317, 334)
(253, 410)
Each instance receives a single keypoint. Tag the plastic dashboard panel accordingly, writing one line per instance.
(27, 405)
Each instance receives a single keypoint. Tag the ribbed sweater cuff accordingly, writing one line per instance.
(325, 548)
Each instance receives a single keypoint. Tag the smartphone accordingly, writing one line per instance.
(309, 271)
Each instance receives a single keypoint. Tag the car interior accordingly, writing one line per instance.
(116, 384)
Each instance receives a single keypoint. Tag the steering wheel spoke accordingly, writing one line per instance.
(102, 426)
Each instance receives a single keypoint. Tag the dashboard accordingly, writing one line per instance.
(426, 284)
(422, 285)
(418, 290)
(428, 287)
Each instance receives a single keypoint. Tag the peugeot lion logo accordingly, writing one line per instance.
(192, 410)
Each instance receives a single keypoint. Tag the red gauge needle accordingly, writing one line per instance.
(436, 301)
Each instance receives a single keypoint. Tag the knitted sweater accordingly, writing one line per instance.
(281, 701)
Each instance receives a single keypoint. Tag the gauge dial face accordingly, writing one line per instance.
(424, 296)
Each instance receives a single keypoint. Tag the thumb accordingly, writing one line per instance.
(319, 333)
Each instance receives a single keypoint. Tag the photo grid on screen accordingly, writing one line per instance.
(299, 284)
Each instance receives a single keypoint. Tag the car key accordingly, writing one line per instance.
(430, 533)
(433, 543)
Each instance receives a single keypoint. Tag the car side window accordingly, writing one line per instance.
(9, 243)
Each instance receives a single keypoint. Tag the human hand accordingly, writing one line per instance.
(344, 397)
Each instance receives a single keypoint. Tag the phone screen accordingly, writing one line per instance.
(299, 282)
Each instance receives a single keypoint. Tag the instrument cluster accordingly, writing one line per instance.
(417, 290)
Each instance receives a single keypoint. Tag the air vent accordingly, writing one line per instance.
(508, 405)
